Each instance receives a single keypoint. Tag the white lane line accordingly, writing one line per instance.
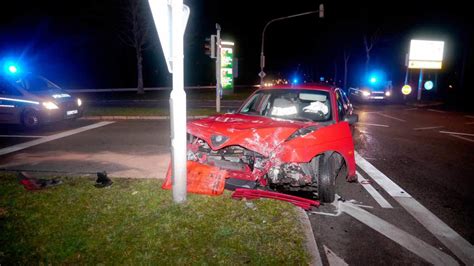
(463, 138)
(437, 111)
(457, 133)
(333, 259)
(392, 117)
(370, 124)
(32, 143)
(470, 123)
(413, 244)
(427, 128)
(20, 136)
(373, 192)
(469, 116)
(411, 109)
(450, 238)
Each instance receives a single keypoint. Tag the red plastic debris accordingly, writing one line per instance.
(250, 194)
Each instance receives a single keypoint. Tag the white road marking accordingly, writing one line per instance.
(452, 240)
(427, 128)
(470, 123)
(413, 244)
(333, 259)
(437, 111)
(411, 109)
(457, 133)
(463, 138)
(392, 117)
(373, 192)
(20, 136)
(35, 142)
(469, 116)
(370, 124)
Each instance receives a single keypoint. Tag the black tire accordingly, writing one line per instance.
(30, 119)
(328, 170)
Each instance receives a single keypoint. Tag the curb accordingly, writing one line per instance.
(310, 242)
(421, 105)
(145, 117)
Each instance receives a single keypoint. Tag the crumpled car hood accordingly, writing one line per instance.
(257, 133)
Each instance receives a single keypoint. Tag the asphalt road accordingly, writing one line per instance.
(418, 160)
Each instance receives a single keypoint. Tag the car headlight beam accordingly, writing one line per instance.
(366, 93)
(50, 105)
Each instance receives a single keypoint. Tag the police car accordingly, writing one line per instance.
(32, 100)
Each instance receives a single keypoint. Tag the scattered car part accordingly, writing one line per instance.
(33, 183)
(251, 194)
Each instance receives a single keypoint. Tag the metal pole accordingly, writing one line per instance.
(420, 81)
(262, 55)
(178, 105)
(218, 69)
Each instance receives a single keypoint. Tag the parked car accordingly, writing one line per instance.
(283, 138)
(32, 100)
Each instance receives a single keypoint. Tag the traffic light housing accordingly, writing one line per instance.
(210, 46)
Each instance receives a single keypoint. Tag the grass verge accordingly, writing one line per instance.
(135, 222)
(140, 111)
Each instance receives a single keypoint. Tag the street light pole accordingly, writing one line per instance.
(262, 55)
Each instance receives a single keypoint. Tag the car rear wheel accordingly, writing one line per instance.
(30, 119)
(329, 166)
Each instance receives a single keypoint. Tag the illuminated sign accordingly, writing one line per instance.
(406, 89)
(227, 77)
(426, 54)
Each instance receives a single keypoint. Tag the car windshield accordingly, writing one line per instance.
(306, 105)
(37, 84)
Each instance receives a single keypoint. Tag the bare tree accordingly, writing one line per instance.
(347, 56)
(135, 33)
(369, 43)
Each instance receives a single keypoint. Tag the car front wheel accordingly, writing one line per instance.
(30, 119)
(328, 170)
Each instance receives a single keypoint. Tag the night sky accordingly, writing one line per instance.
(76, 44)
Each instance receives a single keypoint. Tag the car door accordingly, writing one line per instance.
(11, 102)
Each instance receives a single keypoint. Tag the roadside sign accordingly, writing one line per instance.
(428, 85)
(406, 89)
(161, 11)
(426, 54)
(227, 78)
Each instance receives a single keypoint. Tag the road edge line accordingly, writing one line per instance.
(445, 234)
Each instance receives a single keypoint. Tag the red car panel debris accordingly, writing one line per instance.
(251, 194)
(201, 179)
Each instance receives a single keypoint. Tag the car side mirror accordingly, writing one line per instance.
(351, 118)
(231, 111)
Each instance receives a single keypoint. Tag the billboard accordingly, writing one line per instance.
(426, 54)
(227, 77)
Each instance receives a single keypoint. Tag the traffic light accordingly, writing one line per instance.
(210, 46)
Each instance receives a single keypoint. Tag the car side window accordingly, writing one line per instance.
(341, 107)
(6, 89)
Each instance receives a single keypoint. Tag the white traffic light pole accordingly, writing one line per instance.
(262, 55)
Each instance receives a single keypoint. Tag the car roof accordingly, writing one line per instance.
(319, 87)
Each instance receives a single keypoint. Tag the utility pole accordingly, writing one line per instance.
(218, 69)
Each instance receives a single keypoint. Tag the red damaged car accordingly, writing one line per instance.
(284, 138)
